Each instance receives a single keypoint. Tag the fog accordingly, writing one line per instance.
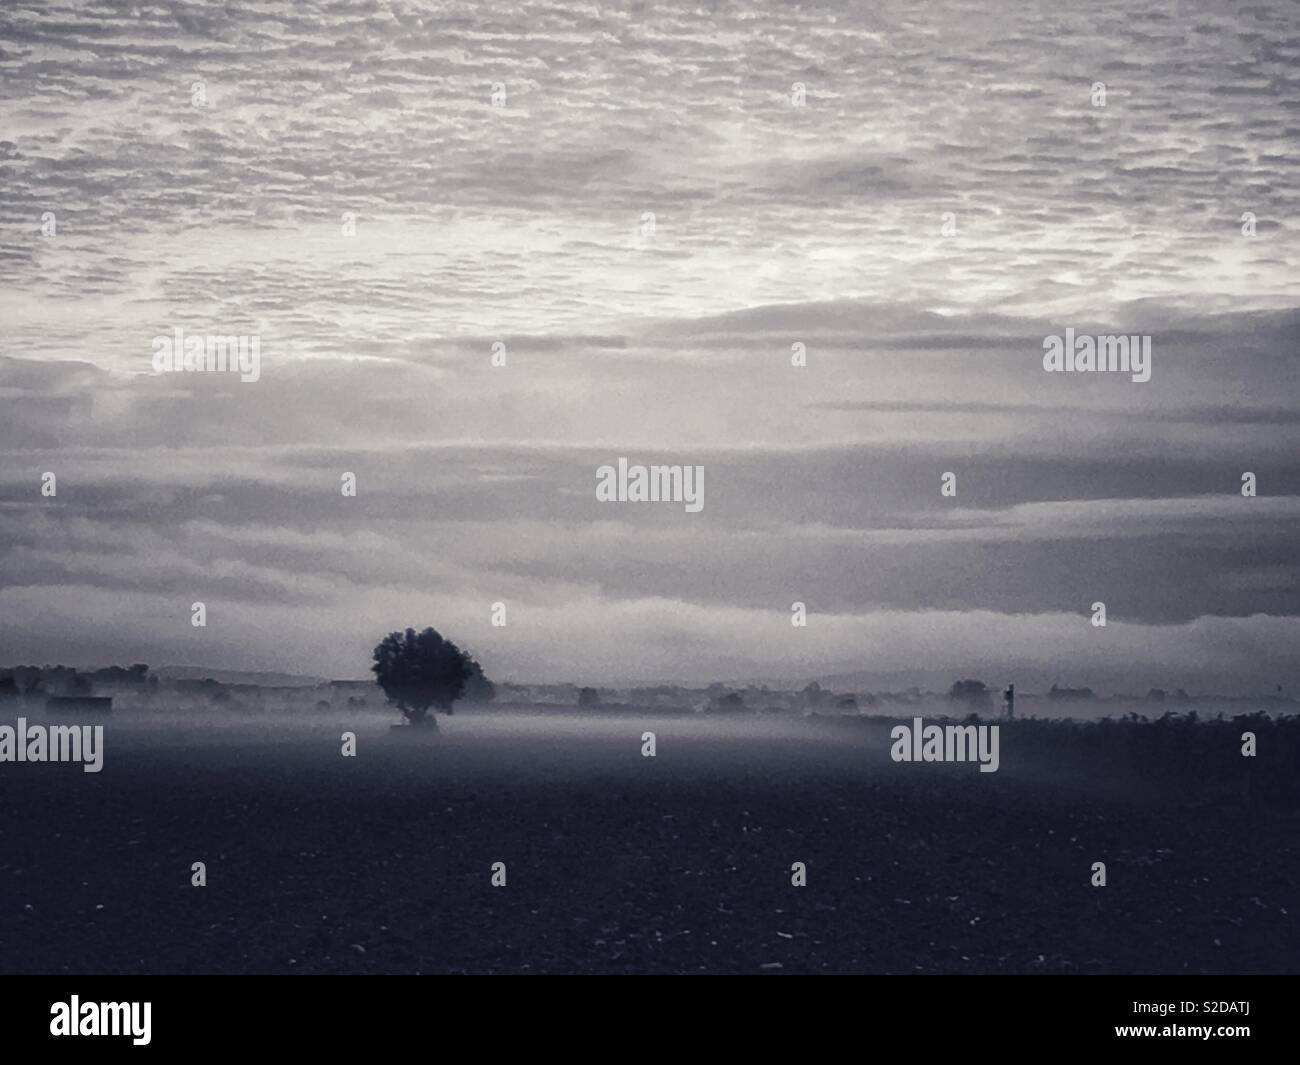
(500, 746)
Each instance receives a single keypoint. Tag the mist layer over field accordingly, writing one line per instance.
(617, 862)
(497, 746)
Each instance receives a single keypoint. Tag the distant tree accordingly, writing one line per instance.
(29, 679)
(730, 703)
(422, 671)
(972, 692)
(588, 697)
(1057, 692)
(60, 680)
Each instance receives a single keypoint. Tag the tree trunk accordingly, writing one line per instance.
(421, 718)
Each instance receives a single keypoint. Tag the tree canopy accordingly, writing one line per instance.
(423, 671)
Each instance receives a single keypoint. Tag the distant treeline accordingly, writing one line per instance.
(65, 680)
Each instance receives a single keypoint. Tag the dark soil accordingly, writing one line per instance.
(619, 863)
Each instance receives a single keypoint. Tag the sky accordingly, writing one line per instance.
(648, 208)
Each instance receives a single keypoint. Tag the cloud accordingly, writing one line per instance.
(774, 226)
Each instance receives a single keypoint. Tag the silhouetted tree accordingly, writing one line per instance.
(29, 680)
(974, 692)
(588, 697)
(478, 689)
(730, 703)
(422, 672)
